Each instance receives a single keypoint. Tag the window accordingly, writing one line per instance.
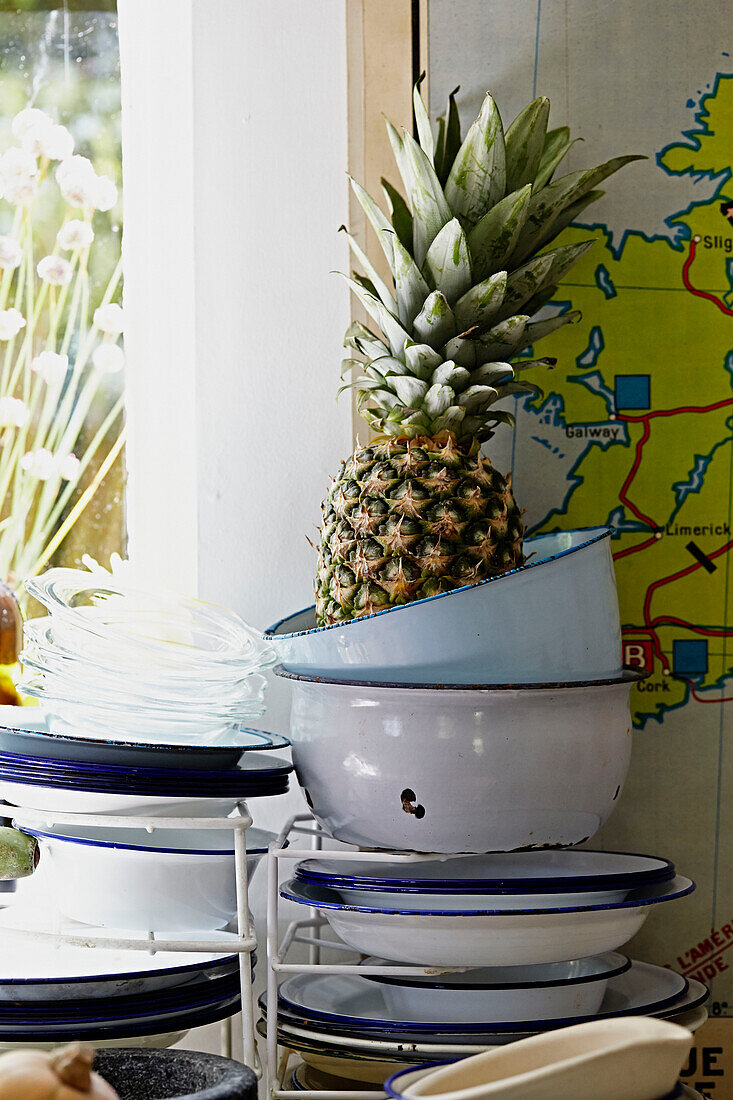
(61, 451)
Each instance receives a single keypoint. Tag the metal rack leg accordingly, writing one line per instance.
(273, 936)
(244, 922)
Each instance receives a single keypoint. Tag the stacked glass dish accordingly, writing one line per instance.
(111, 659)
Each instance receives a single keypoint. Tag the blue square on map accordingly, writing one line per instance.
(633, 391)
(690, 657)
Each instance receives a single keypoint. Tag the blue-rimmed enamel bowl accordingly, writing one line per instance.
(483, 933)
(557, 618)
(166, 881)
(463, 768)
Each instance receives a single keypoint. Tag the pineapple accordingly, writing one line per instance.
(420, 510)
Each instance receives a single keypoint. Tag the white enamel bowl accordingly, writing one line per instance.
(167, 881)
(59, 800)
(461, 769)
(483, 934)
(557, 618)
(555, 991)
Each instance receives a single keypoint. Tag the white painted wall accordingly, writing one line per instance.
(234, 149)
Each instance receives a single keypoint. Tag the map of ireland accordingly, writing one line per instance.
(633, 427)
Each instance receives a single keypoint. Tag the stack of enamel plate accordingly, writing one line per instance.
(53, 992)
(511, 918)
(144, 705)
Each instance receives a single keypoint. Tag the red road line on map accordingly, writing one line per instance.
(675, 412)
(635, 549)
(708, 631)
(623, 494)
(668, 580)
(693, 290)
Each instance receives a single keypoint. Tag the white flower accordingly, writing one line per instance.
(18, 170)
(51, 366)
(55, 270)
(21, 190)
(77, 180)
(10, 252)
(109, 319)
(68, 467)
(81, 186)
(31, 120)
(57, 143)
(108, 358)
(104, 194)
(75, 234)
(74, 166)
(13, 412)
(40, 464)
(11, 322)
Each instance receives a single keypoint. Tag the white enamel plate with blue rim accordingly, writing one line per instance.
(349, 1001)
(482, 933)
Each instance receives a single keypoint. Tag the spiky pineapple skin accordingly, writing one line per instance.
(408, 518)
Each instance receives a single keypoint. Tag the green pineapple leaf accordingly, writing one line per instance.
(389, 325)
(435, 323)
(492, 374)
(430, 211)
(410, 286)
(422, 120)
(447, 263)
(377, 283)
(421, 359)
(438, 399)
(399, 213)
(378, 220)
(541, 272)
(410, 390)
(525, 143)
(449, 374)
(547, 205)
(504, 339)
(462, 351)
(480, 304)
(493, 240)
(477, 397)
(557, 146)
(568, 216)
(362, 339)
(537, 329)
(477, 179)
(452, 136)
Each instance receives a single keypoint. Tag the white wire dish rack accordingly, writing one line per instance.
(241, 942)
(308, 932)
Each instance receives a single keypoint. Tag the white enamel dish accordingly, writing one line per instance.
(544, 879)
(556, 618)
(26, 731)
(167, 881)
(572, 870)
(372, 1059)
(461, 769)
(484, 934)
(512, 993)
(33, 783)
(351, 1004)
(43, 971)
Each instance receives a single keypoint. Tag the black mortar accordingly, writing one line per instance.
(138, 1074)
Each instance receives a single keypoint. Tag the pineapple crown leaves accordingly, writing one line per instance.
(468, 251)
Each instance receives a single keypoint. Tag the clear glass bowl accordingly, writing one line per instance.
(109, 617)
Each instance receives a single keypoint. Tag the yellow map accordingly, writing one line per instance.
(637, 422)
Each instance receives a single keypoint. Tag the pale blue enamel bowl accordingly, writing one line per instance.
(555, 619)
